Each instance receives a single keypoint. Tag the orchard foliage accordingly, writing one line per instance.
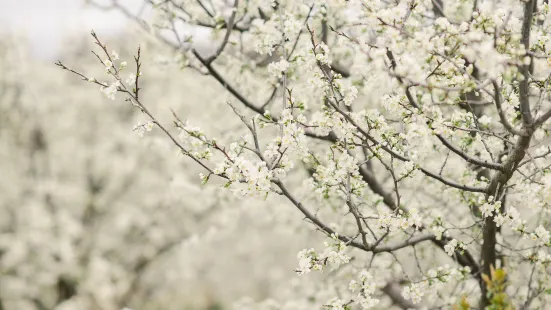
(414, 134)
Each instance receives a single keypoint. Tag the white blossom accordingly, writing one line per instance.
(111, 90)
(131, 79)
(277, 69)
(108, 64)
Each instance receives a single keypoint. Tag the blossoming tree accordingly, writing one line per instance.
(412, 133)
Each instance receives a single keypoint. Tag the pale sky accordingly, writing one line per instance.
(47, 22)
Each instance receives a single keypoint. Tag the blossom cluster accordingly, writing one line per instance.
(334, 254)
(366, 288)
(435, 278)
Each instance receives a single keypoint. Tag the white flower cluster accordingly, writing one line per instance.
(293, 137)
(350, 95)
(251, 177)
(308, 260)
(267, 34)
(541, 235)
(326, 121)
(142, 128)
(454, 245)
(531, 195)
(291, 27)
(416, 290)
(393, 221)
(290, 141)
(198, 144)
(337, 304)
(512, 217)
(108, 64)
(255, 174)
(323, 54)
(392, 103)
(540, 258)
(277, 68)
(334, 254)
(366, 288)
(111, 90)
(340, 169)
(437, 228)
(131, 79)
(489, 207)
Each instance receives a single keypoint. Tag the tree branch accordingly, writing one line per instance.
(524, 91)
(502, 116)
(228, 32)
